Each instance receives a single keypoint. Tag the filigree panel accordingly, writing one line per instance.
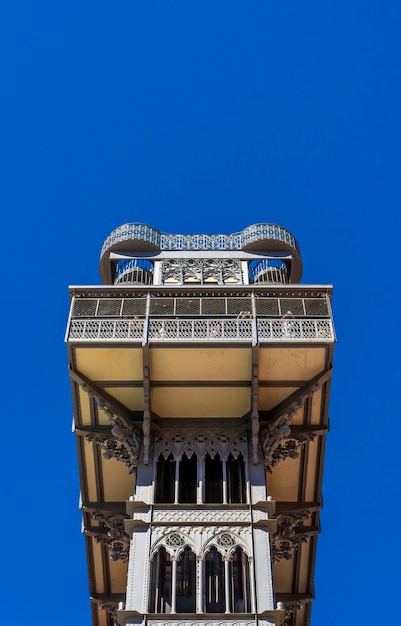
(278, 443)
(201, 539)
(201, 442)
(205, 516)
(209, 622)
(116, 540)
(287, 537)
(202, 271)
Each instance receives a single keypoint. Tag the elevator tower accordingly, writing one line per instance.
(200, 373)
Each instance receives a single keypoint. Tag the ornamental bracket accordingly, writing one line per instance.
(116, 539)
(287, 539)
(278, 427)
(123, 441)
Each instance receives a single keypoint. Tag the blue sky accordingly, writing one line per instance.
(199, 117)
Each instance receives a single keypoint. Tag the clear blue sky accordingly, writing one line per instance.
(199, 117)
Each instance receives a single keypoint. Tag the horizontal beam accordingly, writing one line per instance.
(107, 598)
(289, 598)
(292, 403)
(117, 508)
(292, 507)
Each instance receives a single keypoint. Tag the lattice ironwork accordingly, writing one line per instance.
(201, 330)
(165, 241)
(295, 330)
(175, 540)
(110, 329)
(109, 307)
(219, 271)
(103, 307)
(303, 307)
(265, 306)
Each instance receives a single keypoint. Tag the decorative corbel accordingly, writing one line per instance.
(278, 428)
(116, 540)
(147, 416)
(111, 609)
(254, 406)
(286, 539)
(289, 610)
(123, 443)
(274, 450)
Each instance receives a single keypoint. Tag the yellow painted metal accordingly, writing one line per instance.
(198, 402)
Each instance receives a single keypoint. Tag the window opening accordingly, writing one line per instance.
(188, 479)
(161, 570)
(186, 582)
(165, 473)
(213, 479)
(240, 587)
(236, 480)
(215, 600)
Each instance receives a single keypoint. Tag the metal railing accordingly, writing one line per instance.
(201, 330)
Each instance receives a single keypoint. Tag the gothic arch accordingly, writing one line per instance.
(174, 543)
(225, 542)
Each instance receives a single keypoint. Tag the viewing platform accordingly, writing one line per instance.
(250, 318)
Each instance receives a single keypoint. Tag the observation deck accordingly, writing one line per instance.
(135, 253)
(200, 336)
(255, 317)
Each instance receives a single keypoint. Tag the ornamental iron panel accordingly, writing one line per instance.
(268, 307)
(316, 307)
(113, 330)
(295, 330)
(109, 306)
(265, 306)
(162, 306)
(213, 306)
(134, 306)
(304, 330)
(293, 305)
(192, 330)
(84, 307)
(188, 306)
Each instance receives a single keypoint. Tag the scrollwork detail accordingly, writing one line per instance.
(116, 540)
(286, 539)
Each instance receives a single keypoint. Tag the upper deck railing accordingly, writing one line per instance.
(196, 330)
(144, 241)
(214, 319)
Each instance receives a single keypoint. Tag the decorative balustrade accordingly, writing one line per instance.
(177, 620)
(164, 241)
(295, 330)
(201, 330)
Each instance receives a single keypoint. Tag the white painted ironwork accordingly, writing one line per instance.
(295, 330)
(164, 241)
(106, 330)
(179, 621)
(265, 306)
(201, 330)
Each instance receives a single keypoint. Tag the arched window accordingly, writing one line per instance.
(214, 582)
(160, 583)
(236, 491)
(213, 479)
(186, 582)
(240, 589)
(165, 472)
(188, 479)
